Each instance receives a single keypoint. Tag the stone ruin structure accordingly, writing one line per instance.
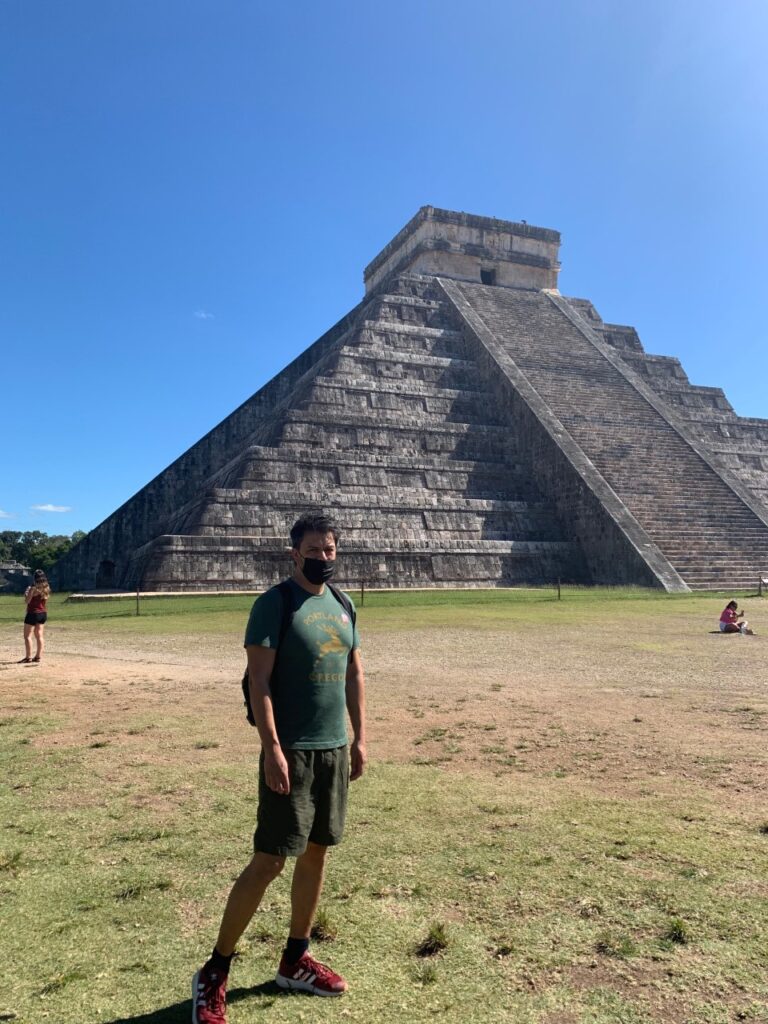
(14, 577)
(469, 426)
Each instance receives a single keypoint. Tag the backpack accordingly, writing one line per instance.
(289, 610)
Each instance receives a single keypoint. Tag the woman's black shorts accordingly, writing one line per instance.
(35, 618)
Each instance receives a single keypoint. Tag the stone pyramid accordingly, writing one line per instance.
(469, 426)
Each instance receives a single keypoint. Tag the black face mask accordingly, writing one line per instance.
(317, 571)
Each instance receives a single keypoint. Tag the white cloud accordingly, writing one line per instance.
(51, 508)
(6, 515)
(201, 314)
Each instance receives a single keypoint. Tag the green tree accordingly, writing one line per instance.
(36, 549)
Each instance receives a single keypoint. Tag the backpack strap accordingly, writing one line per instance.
(287, 613)
(289, 609)
(344, 601)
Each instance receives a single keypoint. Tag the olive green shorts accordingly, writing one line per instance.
(313, 811)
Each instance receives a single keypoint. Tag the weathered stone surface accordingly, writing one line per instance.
(465, 433)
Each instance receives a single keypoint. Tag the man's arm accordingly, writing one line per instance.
(261, 661)
(355, 693)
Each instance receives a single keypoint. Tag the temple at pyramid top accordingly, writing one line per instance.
(466, 247)
(468, 426)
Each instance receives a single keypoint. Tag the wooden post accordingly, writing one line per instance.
(558, 588)
(138, 610)
(362, 593)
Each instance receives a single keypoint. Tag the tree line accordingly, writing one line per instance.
(34, 548)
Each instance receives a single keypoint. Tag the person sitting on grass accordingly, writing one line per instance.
(733, 621)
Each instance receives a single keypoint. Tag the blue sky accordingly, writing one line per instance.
(189, 192)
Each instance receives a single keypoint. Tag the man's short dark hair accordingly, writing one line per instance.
(313, 522)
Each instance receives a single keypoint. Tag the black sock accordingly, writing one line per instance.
(295, 949)
(220, 963)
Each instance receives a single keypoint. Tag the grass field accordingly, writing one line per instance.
(569, 796)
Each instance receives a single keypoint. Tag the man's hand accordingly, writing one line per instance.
(276, 771)
(358, 758)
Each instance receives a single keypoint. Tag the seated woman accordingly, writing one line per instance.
(732, 620)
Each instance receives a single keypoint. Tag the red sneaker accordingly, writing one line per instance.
(209, 997)
(308, 975)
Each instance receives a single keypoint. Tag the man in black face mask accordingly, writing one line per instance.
(300, 696)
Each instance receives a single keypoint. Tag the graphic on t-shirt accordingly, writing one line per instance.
(332, 646)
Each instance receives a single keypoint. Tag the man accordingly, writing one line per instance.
(298, 696)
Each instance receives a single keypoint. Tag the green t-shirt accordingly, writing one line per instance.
(309, 679)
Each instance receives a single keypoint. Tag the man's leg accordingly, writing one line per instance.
(245, 897)
(305, 889)
(209, 985)
(298, 969)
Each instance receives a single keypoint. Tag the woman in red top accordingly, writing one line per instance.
(36, 597)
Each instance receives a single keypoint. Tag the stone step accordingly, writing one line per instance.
(391, 500)
(408, 388)
(405, 301)
(422, 285)
(384, 365)
(463, 444)
(432, 480)
(720, 585)
(389, 538)
(723, 562)
(411, 310)
(709, 507)
(709, 524)
(389, 419)
(406, 332)
(750, 571)
(730, 583)
(715, 542)
(370, 402)
(365, 543)
(448, 344)
(395, 569)
(726, 581)
(315, 457)
(381, 353)
(458, 513)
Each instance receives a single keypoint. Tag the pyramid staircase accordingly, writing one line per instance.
(711, 530)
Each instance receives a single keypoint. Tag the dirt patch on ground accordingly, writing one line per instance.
(617, 711)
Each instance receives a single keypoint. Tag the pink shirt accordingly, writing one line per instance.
(729, 615)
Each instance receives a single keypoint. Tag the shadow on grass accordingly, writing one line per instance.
(181, 1013)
